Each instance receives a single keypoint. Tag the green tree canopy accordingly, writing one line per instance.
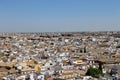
(94, 72)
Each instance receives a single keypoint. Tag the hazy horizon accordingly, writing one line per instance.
(59, 15)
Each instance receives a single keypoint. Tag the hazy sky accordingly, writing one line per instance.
(59, 15)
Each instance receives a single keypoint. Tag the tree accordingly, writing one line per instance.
(81, 51)
(85, 50)
(94, 72)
